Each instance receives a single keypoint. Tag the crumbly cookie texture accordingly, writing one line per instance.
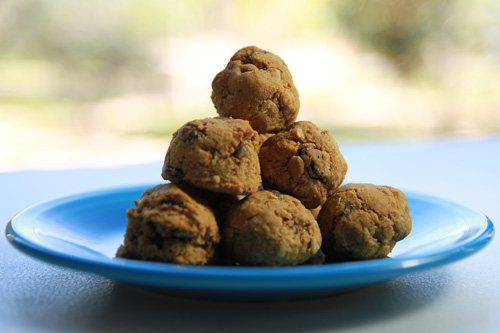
(268, 228)
(364, 221)
(303, 161)
(170, 224)
(217, 154)
(256, 85)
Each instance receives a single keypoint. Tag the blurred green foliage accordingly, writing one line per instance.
(95, 48)
(93, 41)
(54, 54)
(400, 30)
(394, 28)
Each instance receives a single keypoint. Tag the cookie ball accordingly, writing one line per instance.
(364, 221)
(303, 161)
(256, 85)
(271, 229)
(217, 154)
(170, 224)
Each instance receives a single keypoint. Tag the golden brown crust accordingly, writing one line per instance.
(170, 224)
(217, 154)
(272, 229)
(364, 221)
(303, 161)
(256, 85)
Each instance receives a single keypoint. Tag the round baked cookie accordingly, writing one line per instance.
(217, 154)
(363, 221)
(170, 224)
(268, 228)
(256, 85)
(303, 161)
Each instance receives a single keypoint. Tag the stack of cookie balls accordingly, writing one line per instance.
(256, 186)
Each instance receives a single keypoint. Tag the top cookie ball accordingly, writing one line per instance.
(257, 86)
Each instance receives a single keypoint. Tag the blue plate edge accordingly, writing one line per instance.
(250, 277)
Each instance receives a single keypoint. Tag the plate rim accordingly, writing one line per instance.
(242, 278)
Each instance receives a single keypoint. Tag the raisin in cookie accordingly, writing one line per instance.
(271, 229)
(303, 161)
(256, 85)
(364, 221)
(217, 154)
(170, 224)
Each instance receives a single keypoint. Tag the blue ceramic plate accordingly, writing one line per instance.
(83, 232)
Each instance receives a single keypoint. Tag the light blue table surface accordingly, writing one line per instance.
(460, 297)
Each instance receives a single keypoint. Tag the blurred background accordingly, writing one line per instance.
(85, 83)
